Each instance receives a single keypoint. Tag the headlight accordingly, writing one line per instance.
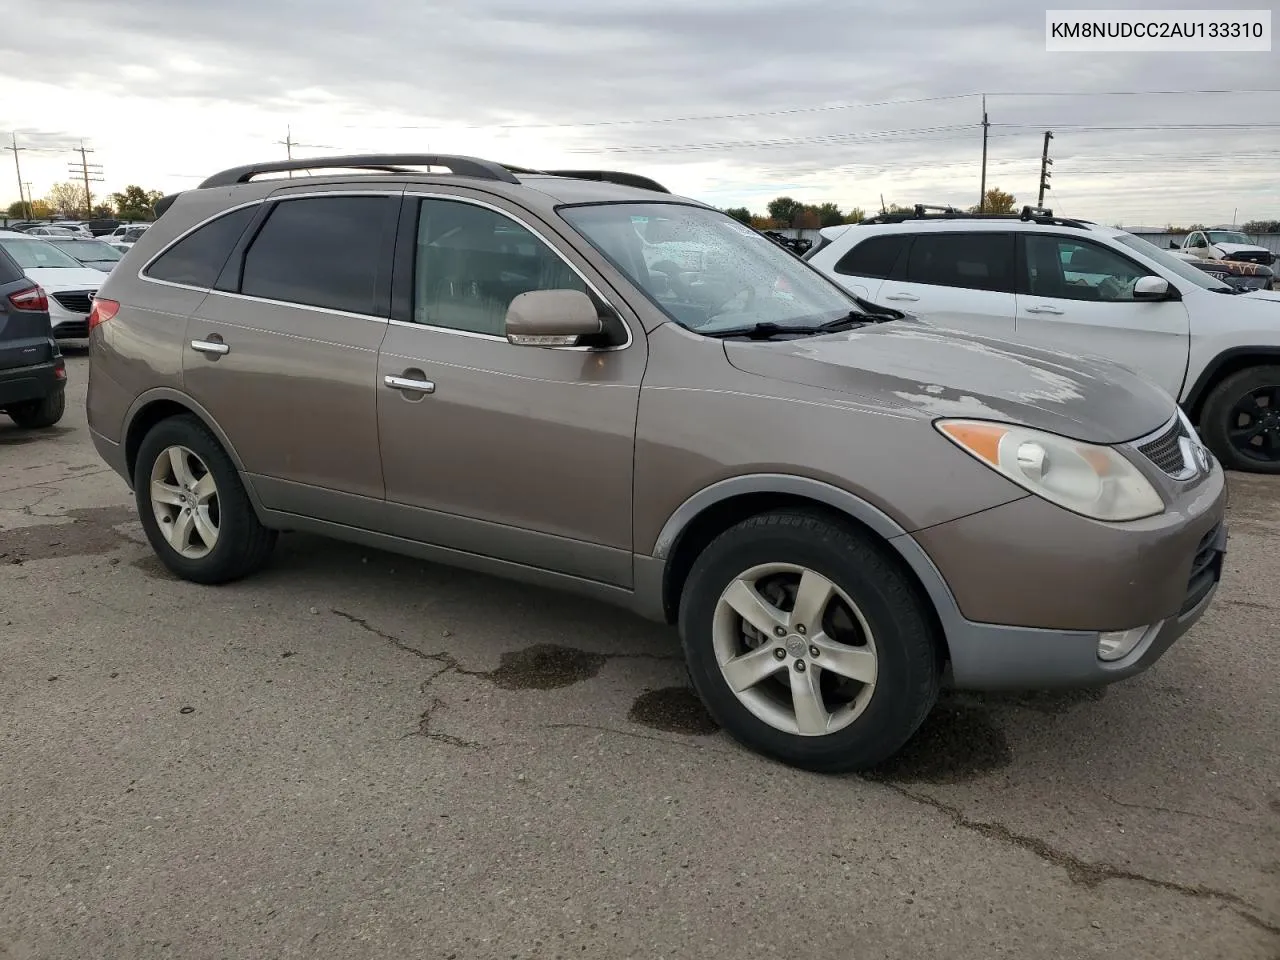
(1096, 481)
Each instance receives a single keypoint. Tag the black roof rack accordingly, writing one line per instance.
(619, 177)
(1029, 214)
(384, 163)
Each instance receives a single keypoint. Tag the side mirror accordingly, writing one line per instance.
(1151, 288)
(551, 318)
(1174, 246)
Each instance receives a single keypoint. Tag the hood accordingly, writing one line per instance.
(1239, 248)
(66, 278)
(936, 372)
(1272, 296)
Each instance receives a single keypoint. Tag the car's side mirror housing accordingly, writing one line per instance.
(551, 318)
(1174, 245)
(1151, 288)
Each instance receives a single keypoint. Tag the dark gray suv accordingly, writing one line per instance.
(584, 382)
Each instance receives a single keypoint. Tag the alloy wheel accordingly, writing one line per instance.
(184, 498)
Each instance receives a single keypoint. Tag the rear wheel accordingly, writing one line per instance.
(808, 643)
(193, 506)
(35, 414)
(1240, 420)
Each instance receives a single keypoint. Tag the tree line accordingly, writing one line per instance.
(68, 201)
(784, 212)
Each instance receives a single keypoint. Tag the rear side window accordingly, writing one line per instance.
(321, 252)
(197, 259)
(9, 269)
(873, 257)
(975, 261)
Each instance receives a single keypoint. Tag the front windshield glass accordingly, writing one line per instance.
(33, 254)
(1229, 236)
(88, 249)
(707, 271)
(1171, 263)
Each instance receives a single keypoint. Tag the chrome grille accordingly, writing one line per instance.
(1165, 452)
(76, 301)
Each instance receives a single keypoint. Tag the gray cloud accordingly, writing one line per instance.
(437, 65)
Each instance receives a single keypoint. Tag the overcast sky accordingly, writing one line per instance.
(785, 97)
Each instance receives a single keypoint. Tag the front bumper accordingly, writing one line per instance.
(34, 382)
(70, 324)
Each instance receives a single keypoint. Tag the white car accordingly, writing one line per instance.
(1224, 244)
(71, 286)
(53, 230)
(1081, 288)
(125, 236)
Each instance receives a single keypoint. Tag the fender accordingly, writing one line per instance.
(832, 496)
(1210, 372)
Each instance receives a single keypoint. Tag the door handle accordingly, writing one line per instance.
(901, 296)
(210, 346)
(1043, 308)
(404, 383)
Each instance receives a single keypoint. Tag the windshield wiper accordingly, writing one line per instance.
(767, 330)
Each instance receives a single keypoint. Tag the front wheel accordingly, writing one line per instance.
(1240, 420)
(808, 643)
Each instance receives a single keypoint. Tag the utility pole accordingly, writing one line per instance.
(289, 143)
(883, 208)
(986, 125)
(88, 171)
(18, 168)
(1045, 164)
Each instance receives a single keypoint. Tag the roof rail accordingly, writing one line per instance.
(1029, 214)
(619, 177)
(385, 163)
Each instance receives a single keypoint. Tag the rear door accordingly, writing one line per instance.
(958, 279)
(283, 353)
(1076, 295)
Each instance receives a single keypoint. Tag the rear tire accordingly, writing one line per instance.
(37, 414)
(828, 589)
(1232, 424)
(194, 507)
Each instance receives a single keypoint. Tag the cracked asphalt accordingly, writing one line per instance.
(358, 755)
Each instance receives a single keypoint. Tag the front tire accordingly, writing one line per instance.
(1240, 420)
(194, 507)
(37, 414)
(808, 643)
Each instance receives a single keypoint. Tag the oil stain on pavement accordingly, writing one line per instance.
(92, 531)
(545, 667)
(673, 710)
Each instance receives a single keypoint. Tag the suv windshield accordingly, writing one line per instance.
(32, 254)
(87, 249)
(707, 271)
(1229, 236)
(1171, 263)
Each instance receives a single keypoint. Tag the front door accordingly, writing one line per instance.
(520, 453)
(285, 360)
(1077, 296)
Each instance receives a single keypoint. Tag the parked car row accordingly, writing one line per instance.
(582, 381)
(69, 282)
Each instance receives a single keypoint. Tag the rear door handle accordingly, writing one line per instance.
(404, 383)
(901, 296)
(210, 346)
(1043, 308)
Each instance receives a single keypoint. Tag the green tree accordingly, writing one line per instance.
(784, 210)
(741, 214)
(856, 215)
(997, 201)
(103, 210)
(134, 203)
(1262, 226)
(16, 210)
(830, 215)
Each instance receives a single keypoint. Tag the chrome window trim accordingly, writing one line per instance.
(297, 306)
(457, 198)
(142, 270)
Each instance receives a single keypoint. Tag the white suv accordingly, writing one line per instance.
(1081, 288)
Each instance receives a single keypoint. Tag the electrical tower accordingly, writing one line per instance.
(88, 172)
(1045, 164)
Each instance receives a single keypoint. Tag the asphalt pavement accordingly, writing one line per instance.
(358, 755)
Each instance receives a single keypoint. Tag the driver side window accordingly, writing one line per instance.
(1198, 240)
(1071, 269)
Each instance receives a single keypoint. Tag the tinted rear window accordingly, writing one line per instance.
(873, 257)
(975, 261)
(322, 251)
(197, 259)
(9, 270)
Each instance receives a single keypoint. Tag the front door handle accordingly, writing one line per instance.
(404, 383)
(210, 346)
(901, 296)
(1043, 308)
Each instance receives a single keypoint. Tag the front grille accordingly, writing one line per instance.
(72, 330)
(1259, 257)
(75, 301)
(1164, 450)
(1206, 568)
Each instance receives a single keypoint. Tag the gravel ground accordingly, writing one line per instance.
(358, 755)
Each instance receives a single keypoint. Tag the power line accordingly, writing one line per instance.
(88, 171)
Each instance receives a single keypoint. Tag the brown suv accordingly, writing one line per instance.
(582, 381)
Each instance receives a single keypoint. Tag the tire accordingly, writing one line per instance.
(903, 639)
(36, 414)
(242, 545)
(1217, 420)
